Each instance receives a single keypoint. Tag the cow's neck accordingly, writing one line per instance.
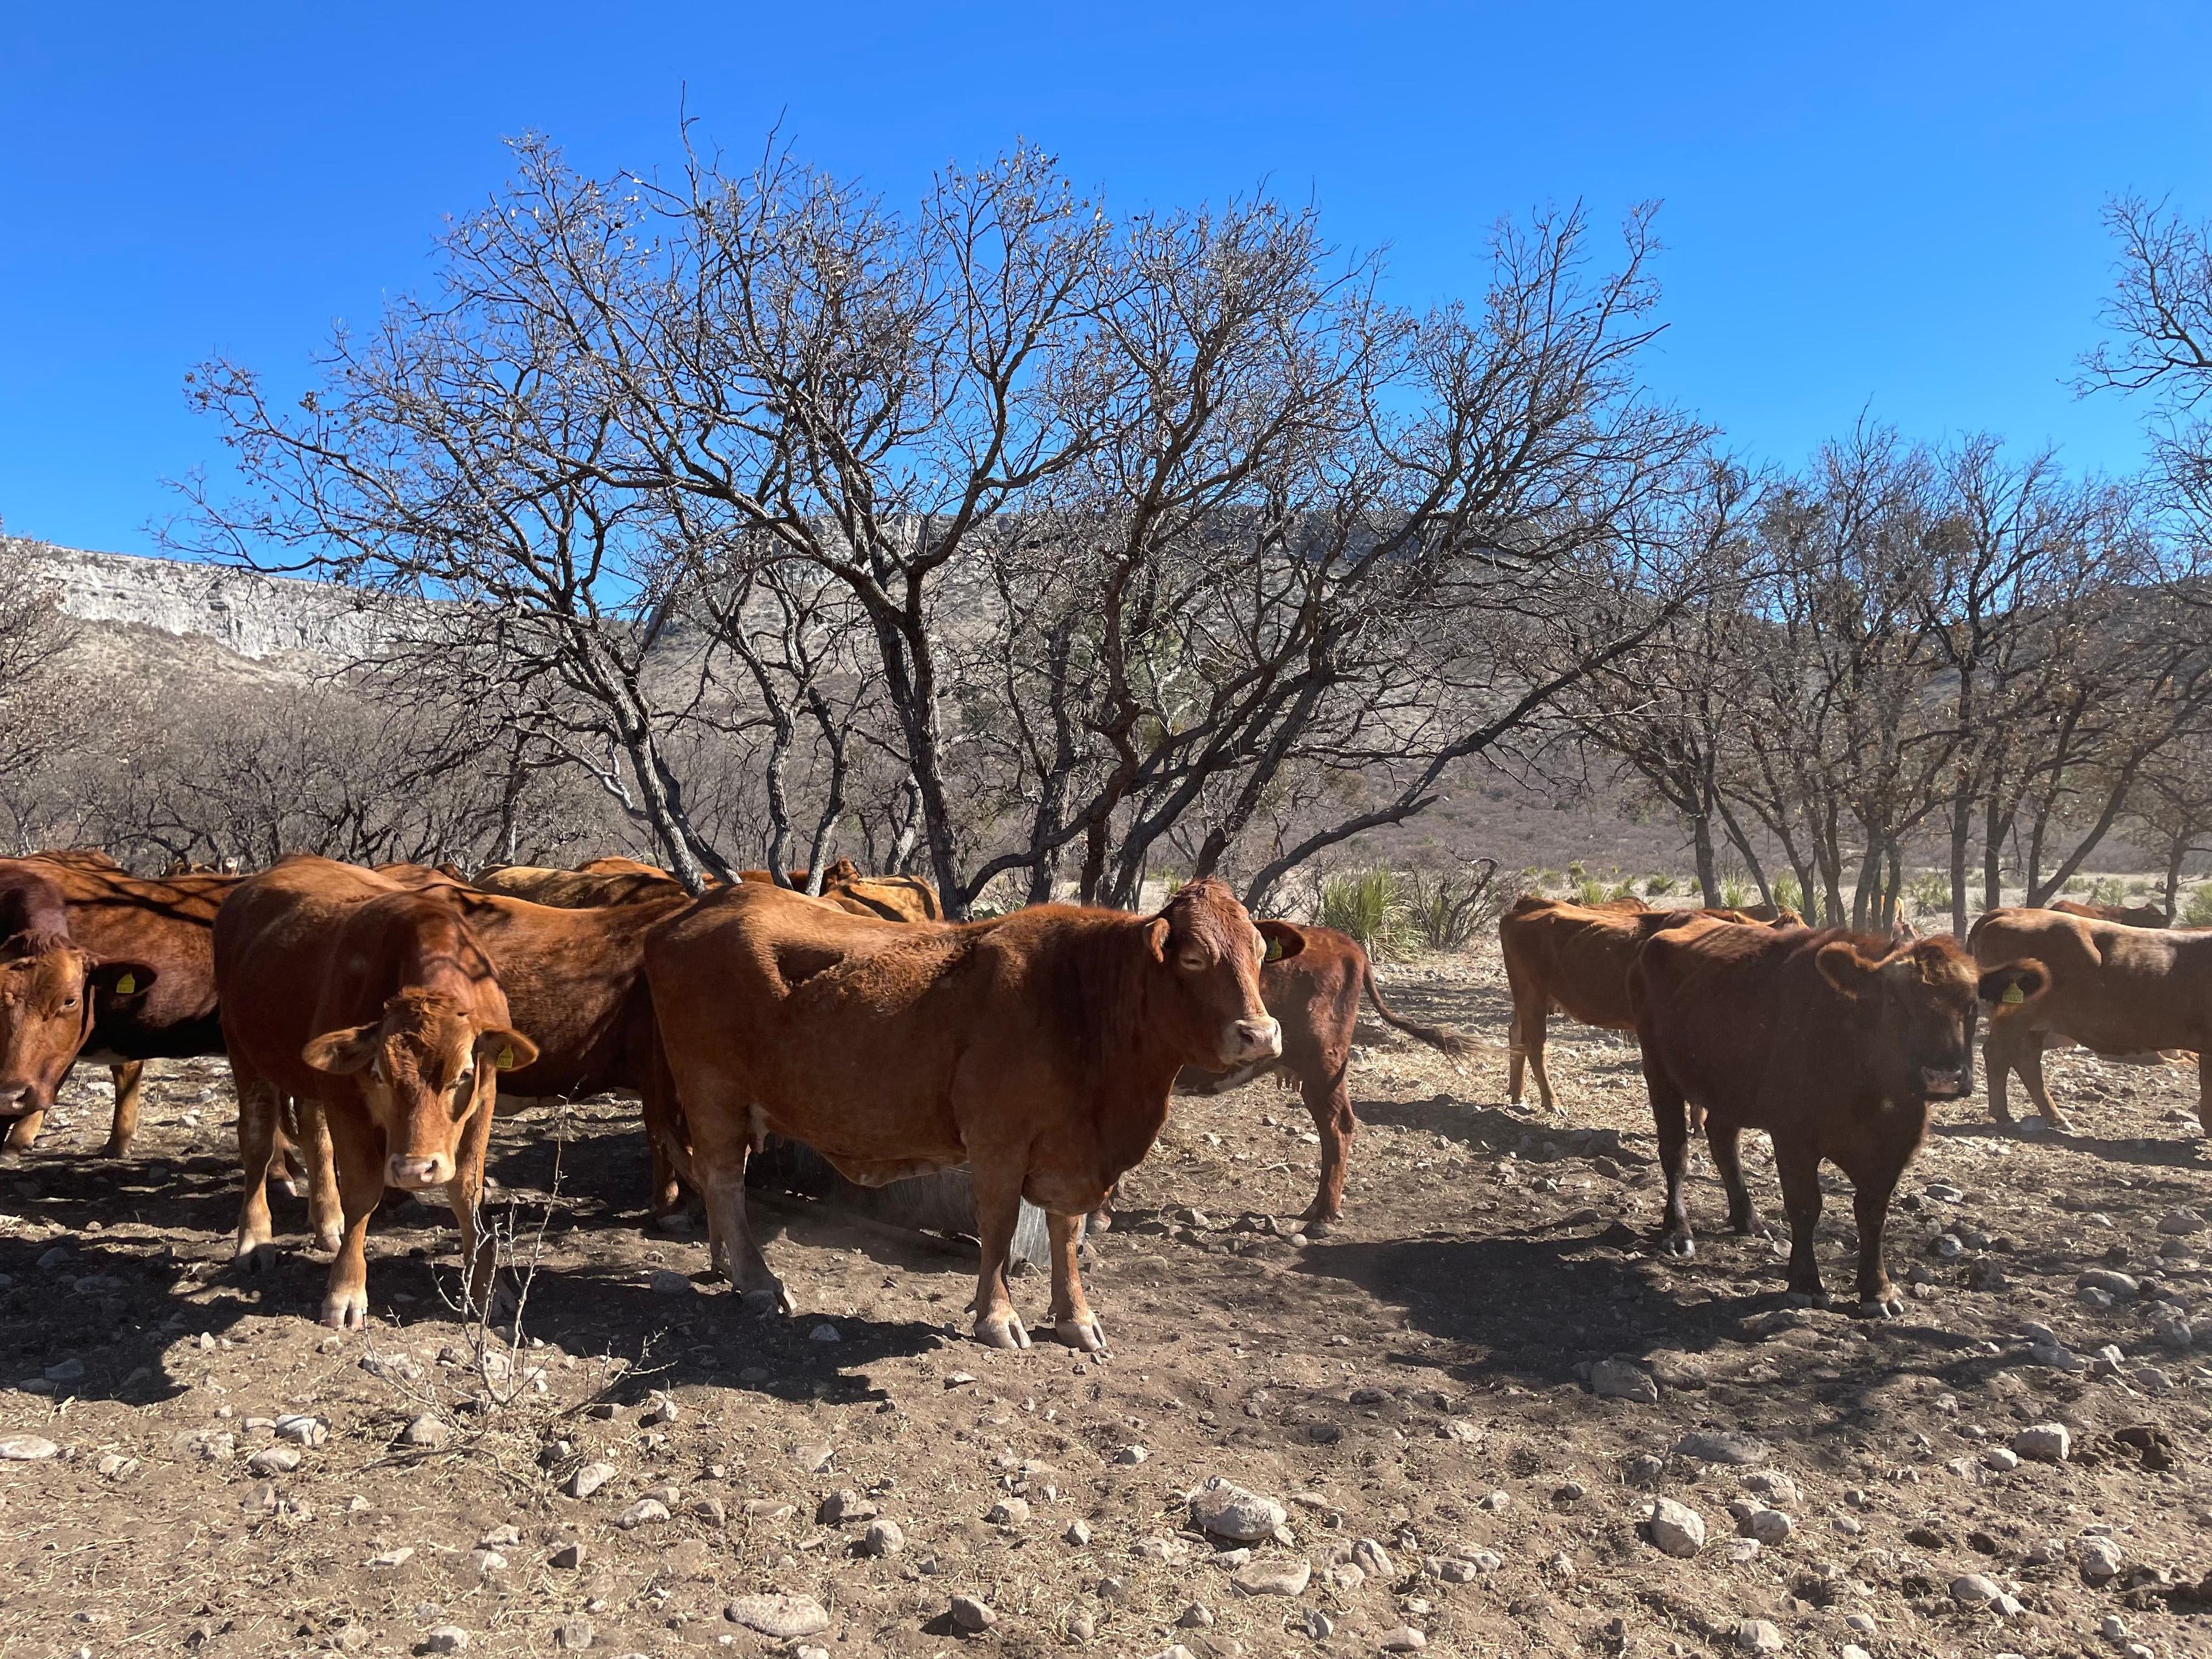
(1128, 1066)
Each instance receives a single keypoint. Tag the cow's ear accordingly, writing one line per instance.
(1842, 967)
(507, 1051)
(341, 1053)
(122, 978)
(1283, 941)
(1158, 931)
(2013, 984)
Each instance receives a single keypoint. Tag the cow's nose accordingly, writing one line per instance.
(1257, 1039)
(13, 1097)
(1947, 1082)
(413, 1173)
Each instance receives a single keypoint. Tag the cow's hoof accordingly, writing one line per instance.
(345, 1311)
(1743, 1228)
(254, 1255)
(116, 1149)
(1888, 1306)
(768, 1299)
(1320, 1227)
(1810, 1300)
(1006, 1331)
(1679, 1244)
(330, 1241)
(1088, 1333)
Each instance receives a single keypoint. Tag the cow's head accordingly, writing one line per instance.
(1209, 947)
(425, 1069)
(1917, 1005)
(50, 989)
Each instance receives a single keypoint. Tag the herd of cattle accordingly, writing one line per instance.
(372, 1019)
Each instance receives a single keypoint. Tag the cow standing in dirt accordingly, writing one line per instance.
(107, 967)
(1311, 981)
(2115, 989)
(1039, 1048)
(1834, 1043)
(371, 1005)
(1574, 959)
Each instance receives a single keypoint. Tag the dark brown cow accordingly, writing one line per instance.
(2115, 989)
(371, 1005)
(2128, 916)
(1574, 958)
(1311, 980)
(147, 947)
(1039, 1048)
(1834, 1043)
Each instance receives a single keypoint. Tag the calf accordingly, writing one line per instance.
(1311, 981)
(1039, 1048)
(2115, 989)
(93, 963)
(2128, 916)
(1574, 958)
(1834, 1043)
(372, 1006)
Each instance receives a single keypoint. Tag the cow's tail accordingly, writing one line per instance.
(1974, 932)
(1437, 1036)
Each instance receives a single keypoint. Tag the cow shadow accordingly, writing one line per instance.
(2143, 1151)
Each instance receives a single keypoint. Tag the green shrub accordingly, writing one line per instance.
(1660, 886)
(1625, 890)
(1370, 905)
(1735, 893)
(2108, 890)
(1575, 871)
(1790, 895)
(1445, 911)
(2196, 909)
(1929, 893)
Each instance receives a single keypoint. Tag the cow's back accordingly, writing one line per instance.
(2114, 989)
(165, 921)
(1725, 1007)
(273, 944)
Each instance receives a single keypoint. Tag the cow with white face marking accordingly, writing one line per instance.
(372, 1004)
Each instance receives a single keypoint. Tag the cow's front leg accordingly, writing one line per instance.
(325, 1213)
(358, 1146)
(998, 1210)
(1799, 1168)
(129, 1080)
(24, 1129)
(479, 1244)
(1877, 1297)
(1726, 1143)
(1073, 1321)
(1670, 1117)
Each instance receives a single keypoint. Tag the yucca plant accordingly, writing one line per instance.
(1790, 895)
(1445, 911)
(1735, 893)
(1659, 886)
(1930, 893)
(2196, 909)
(1371, 906)
(1590, 892)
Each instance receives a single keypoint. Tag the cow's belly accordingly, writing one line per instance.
(2106, 1029)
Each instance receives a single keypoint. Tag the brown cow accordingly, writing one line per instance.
(372, 1004)
(1574, 958)
(1833, 1042)
(579, 889)
(1039, 1048)
(146, 945)
(2114, 989)
(1312, 979)
(895, 898)
(842, 870)
(2128, 916)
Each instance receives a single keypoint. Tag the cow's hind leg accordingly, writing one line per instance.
(1329, 1101)
(1101, 1219)
(2028, 1062)
(1728, 1159)
(1073, 1323)
(2204, 1092)
(255, 1244)
(129, 1078)
(325, 1209)
(1670, 1117)
(1799, 1166)
(998, 1209)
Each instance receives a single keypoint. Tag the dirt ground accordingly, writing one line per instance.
(1419, 1379)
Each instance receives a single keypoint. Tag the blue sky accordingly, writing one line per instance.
(1873, 208)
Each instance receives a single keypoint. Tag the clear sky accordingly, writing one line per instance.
(1868, 206)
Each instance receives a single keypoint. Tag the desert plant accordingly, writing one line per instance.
(1447, 910)
(2108, 890)
(1735, 893)
(2196, 909)
(1790, 895)
(1590, 892)
(1659, 886)
(1370, 905)
(1930, 892)
(1622, 890)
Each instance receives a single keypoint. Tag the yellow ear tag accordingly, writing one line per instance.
(1274, 951)
(126, 985)
(2013, 994)
(506, 1061)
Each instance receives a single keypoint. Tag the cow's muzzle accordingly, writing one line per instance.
(412, 1172)
(1251, 1041)
(17, 1098)
(1947, 1082)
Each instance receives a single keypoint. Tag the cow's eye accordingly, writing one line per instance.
(1194, 961)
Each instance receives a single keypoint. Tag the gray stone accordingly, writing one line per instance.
(1404, 1639)
(1617, 1379)
(1769, 1527)
(1009, 1512)
(589, 1478)
(445, 1638)
(971, 1616)
(1722, 1449)
(1274, 1576)
(1676, 1528)
(1196, 1616)
(2099, 1558)
(783, 1617)
(2113, 1282)
(1974, 1590)
(845, 1506)
(883, 1538)
(302, 1431)
(567, 1557)
(274, 1460)
(428, 1432)
(1759, 1636)
(574, 1634)
(2002, 1459)
(667, 1281)
(26, 1448)
(2180, 1224)
(1371, 1559)
(1077, 1533)
(1228, 1511)
(2044, 1443)
(646, 1512)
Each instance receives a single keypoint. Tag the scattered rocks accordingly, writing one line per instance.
(1404, 1639)
(2118, 1286)
(783, 1617)
(274, 1460)
(1228, 1511)
(567, 1558)
(445, 1638)
(1738, 1448)
(1077, 1533)
(302, 1431)
(646, 1512)
(844, 1506)
(1976, 1590)
(1129, 1456)
(1009, 1512)
(589, 1478)
(883, 1538)
(2044, 1443)
(1676, 1528)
